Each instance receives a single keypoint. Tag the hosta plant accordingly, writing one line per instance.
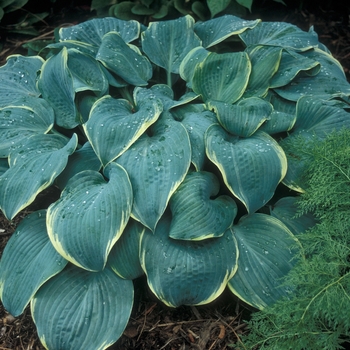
(172, 146)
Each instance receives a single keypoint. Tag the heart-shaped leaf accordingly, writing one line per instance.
(266, 254)
(20, 122)
(18, 78)
(90, 216)
(184, 272)
(41, 159)
(86, 73)
(67, 308)
(113, 126)
(92, 31)
(286, 210)
(56, 86)
(218, 29)
(167, 43)
(222, 77)
(125, 60)
(124, 256)
(196, 119)
(281, 34)
(28, 260)
(195, 214)
(156, 166)
(243, 118)
(251, 167)
(265, 62)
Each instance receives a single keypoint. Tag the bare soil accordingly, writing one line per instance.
(153, 325)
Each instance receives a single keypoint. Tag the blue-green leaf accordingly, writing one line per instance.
(218, 29)
(86, 73)
(124, 256)
(329, 82)
(184, 272)
(243, 118)
(291, 64)
(315, 118)
(195, 214)
(156, 166)
(92, 31)
(56, 86)
(41, 159)
(18, 78)
(265, 257)
(113, 126)
(286, 210)
(90, 216)
(19, 121)
(216, 6)
(281, 34)
(222, 77)
(83, 159)
(67, 309)
(125, 60)
(265, 62)
(251, 167)
(167, 43)
(28, 261)
(196, 119)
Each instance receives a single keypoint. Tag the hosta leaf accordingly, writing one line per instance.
(188, 64)
(20, 122)
(18, 78)
(283, 115)
(83, 159)
(124, 256)
(86, 73)
(196, 119)
(216, 30)
(246, 3)
(222, 77)
(184, 272)
(113, 126)
(67, 308)
(165, 95)
(90, 216)
(92, 31)
(291, 64)
(329, 82)
(216, 6)
(87, 49)
(281, 34)
(28, 260)
(265, 257)
(265, 62)
(167, 43)
(41, 159)
(195, 214)
(315, 118)
(243, 118)
(251, 167)
(124, 60)
(56, 86)
(156, 166)
(286, 210)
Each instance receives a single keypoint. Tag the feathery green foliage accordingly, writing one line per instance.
(317, 316)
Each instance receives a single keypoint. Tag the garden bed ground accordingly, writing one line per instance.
(152, 325)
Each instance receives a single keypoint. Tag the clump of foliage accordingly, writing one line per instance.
(317, 315)
(142, 10)
(169, 144)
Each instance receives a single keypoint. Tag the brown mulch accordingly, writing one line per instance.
(152, 325)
